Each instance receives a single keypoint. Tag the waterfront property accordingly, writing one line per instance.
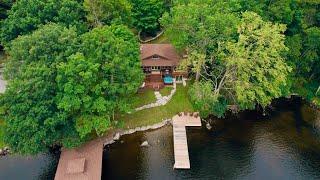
(160, 64)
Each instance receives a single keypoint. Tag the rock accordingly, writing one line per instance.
(6, 148)
(144, 144)
(208, 126)
(1, 152)
(116, 136)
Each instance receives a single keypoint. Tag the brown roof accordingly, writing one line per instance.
(84, 163)
(166, 52)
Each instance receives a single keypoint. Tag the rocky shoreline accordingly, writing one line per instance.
(5, 151)
(118, 133)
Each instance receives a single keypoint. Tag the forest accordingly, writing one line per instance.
(72, 64)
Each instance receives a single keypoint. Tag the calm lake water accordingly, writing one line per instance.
(284, 144)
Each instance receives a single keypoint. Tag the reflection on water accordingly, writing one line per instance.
(283, 145)
(41, 167)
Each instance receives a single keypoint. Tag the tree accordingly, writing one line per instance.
(146, 15)
(201, 28)
(95, 83)
(104, 12)
(250, 71)
(33, 121)
(26, 15)
(261, 71)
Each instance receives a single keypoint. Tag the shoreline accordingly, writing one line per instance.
(115, 135)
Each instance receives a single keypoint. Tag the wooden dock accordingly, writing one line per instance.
(181, 153)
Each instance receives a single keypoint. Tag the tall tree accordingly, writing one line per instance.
(201, 28)
(26, 15)
(251, 70)
(146, 15)
(261, 71)
(94, 84)
(104, 12)
(33, 121)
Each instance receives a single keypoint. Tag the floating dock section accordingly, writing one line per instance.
(181, 153)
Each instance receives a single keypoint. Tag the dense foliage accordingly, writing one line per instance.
(26, 15)
(146, 15)
(102, 12)
(33, 121)
(61, 94)
(94, 84)
(246, 63)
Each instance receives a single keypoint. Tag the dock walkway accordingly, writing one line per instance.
(181, 153)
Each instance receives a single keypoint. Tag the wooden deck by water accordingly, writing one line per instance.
(181, 153)
(83, 163)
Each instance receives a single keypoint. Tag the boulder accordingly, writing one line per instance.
(116, 137)
(144, 144)
(208, 126)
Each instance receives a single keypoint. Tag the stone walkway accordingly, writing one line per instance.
(161, 100)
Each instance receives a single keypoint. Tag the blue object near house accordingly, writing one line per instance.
(168, 79)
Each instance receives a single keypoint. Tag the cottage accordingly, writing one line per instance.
(159, 63)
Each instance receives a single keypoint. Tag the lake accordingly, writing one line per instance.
(284, 144)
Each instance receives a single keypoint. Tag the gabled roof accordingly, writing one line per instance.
(166, 52)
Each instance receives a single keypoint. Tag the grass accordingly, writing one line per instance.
(180, 102)
(143, 98)
(166, 91)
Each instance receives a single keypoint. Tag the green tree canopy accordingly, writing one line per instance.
(33, 121)
(261, 71)
(63, 89)
(104, 12)
(94, 85)
(26, 15)
(146, 15)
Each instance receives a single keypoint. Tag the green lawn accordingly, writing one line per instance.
(166, 91)
(179, 103)
(143, 98)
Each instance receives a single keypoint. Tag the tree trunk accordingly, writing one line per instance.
(197, 76)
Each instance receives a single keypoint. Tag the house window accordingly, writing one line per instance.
(155, 57)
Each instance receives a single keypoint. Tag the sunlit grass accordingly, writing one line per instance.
(180, 102)
(143, 98)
